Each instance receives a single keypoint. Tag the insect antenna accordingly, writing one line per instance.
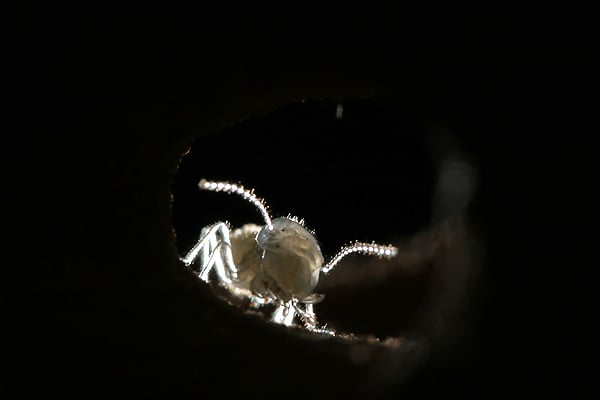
(248, 195)
(371, 249)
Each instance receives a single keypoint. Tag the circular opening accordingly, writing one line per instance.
(366, 170)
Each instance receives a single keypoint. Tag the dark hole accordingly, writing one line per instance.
(366, 177)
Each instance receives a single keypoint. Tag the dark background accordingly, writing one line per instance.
(105, 106)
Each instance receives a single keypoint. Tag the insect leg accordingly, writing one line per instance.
(214, 249)
(214, 260)
(278, 314)
(226, 254)
(284, 314)
(311, 317)
(307, 316)
(205, 258)
(289, 314)
(257, 302)
(200, 245)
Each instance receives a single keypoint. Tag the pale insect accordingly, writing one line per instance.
(278, 263)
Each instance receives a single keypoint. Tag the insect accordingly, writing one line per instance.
(278, 263)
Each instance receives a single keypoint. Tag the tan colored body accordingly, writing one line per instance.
(287, 259)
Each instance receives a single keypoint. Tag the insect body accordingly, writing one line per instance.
(279, 263)
(291, 257)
